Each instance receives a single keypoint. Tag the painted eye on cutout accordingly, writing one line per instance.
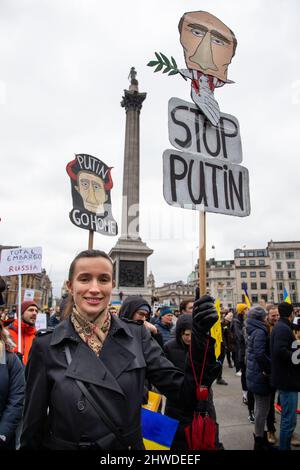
(218, 41)
(198, 32)
(85, 184)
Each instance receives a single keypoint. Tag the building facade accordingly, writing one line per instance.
(39, 283)
(285, 269)
(174, 293)
(221, 281)
(265, 272)
(252, 267)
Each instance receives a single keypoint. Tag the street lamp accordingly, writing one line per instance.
(272, 294)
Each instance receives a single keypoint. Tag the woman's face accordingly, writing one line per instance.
(91, 285)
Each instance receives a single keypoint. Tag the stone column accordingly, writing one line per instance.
(132, 102)
(130, 253)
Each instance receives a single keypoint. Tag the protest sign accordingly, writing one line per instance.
(18, 261)
(28, 294)
(21, 261)
(91, 183)
(41, 321)
(189, 130)
(192, 181)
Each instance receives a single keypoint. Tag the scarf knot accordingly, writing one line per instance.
(93, 333)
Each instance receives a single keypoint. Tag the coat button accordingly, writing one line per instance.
(81, 405)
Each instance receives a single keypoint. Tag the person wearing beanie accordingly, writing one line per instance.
(165, 323)
(29, 311)
(258, 371)
(241, 308)
(285, 372)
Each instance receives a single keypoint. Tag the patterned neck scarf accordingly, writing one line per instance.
(93, 333)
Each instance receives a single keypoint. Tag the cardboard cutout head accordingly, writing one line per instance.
(208, 44)
(90, 185)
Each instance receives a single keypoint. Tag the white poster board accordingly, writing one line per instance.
(28, 294)
(16, 261)
(41, 321)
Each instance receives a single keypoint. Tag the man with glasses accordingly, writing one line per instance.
(29, 311)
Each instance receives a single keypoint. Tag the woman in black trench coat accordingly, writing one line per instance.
(112, 358)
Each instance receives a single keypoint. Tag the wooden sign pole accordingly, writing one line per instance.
(202, 252)
(91, 239)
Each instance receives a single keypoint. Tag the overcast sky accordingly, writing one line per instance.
(64, 65)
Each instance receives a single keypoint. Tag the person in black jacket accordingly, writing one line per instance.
(137, 309)
(93, 364)
(285, 372)
(258, 371)
(177, 351)
(12, 388)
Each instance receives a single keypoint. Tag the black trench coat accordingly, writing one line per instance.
(57, 415)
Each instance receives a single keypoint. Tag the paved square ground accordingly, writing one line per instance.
(236, 433)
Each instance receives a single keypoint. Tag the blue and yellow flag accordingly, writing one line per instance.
(286, 296)
(246, 296)
(216, 330)
(158, 430)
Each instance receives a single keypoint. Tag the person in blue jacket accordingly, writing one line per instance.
(12, 389)
(258, 371)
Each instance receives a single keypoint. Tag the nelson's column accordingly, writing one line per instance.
(130, 253)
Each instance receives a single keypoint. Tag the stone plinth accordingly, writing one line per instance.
(130, 268)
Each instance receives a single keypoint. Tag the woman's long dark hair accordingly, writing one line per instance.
(83, 254)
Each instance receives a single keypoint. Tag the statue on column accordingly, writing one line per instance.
(132, 76)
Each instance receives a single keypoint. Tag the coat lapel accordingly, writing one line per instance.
(116, 356)
(87, 367)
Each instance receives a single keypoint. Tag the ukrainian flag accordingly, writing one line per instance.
(286, 296)
(158, 430)
(246, 296)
